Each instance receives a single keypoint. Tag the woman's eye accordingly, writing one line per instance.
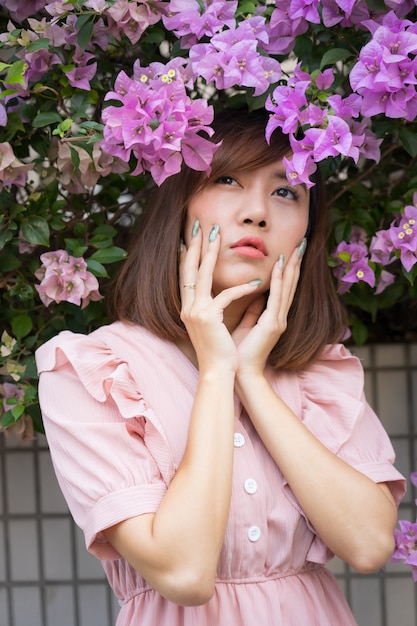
(287, 192)
(226, 180)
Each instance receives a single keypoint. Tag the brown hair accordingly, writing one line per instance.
(147, 292)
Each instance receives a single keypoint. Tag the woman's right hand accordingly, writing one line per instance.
(201, 313)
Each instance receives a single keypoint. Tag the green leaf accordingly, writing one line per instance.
(80, 229)
(8, 92)
(411, 275)
(101, 241)
(47, 118)
(85, 33)
(344, 256)
(5, 236)
(35, 230)
(21, 325)
(17, 411)
(246, 7)
(97, 269)
(75, 246)
(109, 255)
(409, 141)
(75, 158)
(105, 229)
(359, 333)
(7, 419)
(333, 56)
(9, 262)
(15, 73)
(39, 44)
(93, 125)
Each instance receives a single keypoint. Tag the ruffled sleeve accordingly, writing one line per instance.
(108, 448)
(334, 409)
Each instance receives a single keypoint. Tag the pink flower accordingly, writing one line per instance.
(66, 279)
(193, 19)
(12, 171)
(352, 265)
(90, 169)
(158, 123)
(23, 427)
(400, 239)
(21, 9)
(80, 76)
(386, 279)
(132, 17)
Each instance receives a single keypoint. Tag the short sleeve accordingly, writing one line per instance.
(109, 451)
(335, 410)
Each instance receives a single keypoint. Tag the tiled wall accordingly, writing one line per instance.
(48, 579)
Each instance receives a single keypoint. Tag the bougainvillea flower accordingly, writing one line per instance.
(385, 279)
(64, 278)
(194, 19)
(80, 77)
(353, 266)
(157, 121)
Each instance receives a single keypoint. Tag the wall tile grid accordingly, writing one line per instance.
(48, 579)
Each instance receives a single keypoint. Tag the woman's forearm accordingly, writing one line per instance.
(177, 549)
(354, 516)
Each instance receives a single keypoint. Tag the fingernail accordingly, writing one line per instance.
(302, 248)
(196, 228)
(281, 261)
(214, 232)
(181, 246)
(256, 282)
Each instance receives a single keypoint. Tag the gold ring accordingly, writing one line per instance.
(189, 286)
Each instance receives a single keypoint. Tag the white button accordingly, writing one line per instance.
(239, 440)
(254, 533)
(251, 485)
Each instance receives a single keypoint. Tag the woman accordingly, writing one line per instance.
(214, 444)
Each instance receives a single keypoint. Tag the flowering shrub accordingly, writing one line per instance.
(101, 98)
(406, 540)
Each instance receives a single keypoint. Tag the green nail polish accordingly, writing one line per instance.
(181, 246)
(302, 248)
(256, 282)
(281, 261)
(196, 228)
(214, 232)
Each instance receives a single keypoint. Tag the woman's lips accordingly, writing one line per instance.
(252, 247)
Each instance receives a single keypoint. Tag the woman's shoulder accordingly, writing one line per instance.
(335, 370)
(96, 345)
(97, 362)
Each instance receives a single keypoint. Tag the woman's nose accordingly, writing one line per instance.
(261, 223)
(255, 212)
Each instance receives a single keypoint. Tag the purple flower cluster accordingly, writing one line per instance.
(191, 20)
(406, 540)
(12, 170)
(232, 58)
(157, 121)
(356, 263)
(353, 262)
(230, 50)
(65, 278)
(327, 131)
(386, 72)
(398, 241)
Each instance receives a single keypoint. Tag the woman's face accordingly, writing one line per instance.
(260, 215)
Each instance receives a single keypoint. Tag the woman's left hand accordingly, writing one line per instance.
(262, 326)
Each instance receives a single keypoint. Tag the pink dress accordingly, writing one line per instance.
(116, 407)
